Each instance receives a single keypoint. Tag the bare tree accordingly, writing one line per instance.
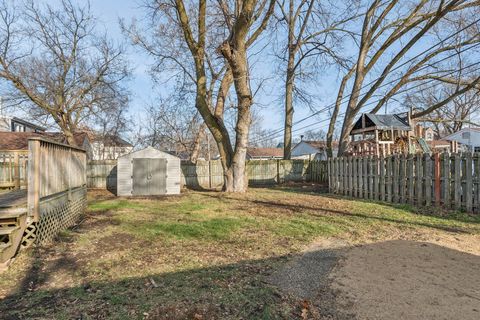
(314, 32)
(389, 33)
(170, 125)
(227, 28)
(461, 111)
(56, 61)
(259, 136)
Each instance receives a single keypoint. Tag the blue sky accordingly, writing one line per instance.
(269, 105)
(263, 66)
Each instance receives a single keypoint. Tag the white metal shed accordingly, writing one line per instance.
(148, 172)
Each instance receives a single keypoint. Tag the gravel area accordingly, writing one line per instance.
(409, 280)
(396, 279)
(306, 278)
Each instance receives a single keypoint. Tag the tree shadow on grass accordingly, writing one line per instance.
(322, 211)
(284, 287)
(236, 291)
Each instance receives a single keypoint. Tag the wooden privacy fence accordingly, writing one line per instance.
(209, 174)
(56, 186)
(13, 169)
(448, 180)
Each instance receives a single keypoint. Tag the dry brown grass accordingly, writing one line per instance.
(201, 255)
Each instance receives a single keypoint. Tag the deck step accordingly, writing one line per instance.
(12, 212)
(8, 230)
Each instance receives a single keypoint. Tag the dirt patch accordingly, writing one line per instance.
(306, 277)
(404, 279)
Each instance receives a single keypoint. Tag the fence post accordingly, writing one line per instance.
(468, 182)
(395, 180)
(411, 182)
(389, 178)
(437, 179)
(457, 183)
(34, 179)
(278, 171)
(403, 179)
(446, 179)
(476, 195)
(16, 170)
(428, 179)
(420, 182)
(382, 178)
(210, 173)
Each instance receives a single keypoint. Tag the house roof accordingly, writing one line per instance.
(108, 140)
(265, 152)
(111, 140)
(19, 140)
(472, 139)
(319, 145)
(383, 121)
(29, 124)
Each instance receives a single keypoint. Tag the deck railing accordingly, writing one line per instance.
(13, 169)
(55, 169)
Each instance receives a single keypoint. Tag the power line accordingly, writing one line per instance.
(373, 102)
(394, 69)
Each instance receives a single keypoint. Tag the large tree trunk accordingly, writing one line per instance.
(197, 144)
(345, 134)
(287, 138)
(67, 128)
(69, 136)
(236, 55)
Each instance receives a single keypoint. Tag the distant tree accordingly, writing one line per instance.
(460, 112)
(314, 30)
(316, 135)
(259, 136)
(58, 64)
(175, 127)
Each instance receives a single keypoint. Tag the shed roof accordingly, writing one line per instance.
(149, 152)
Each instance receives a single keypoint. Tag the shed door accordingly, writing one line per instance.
(149, 177)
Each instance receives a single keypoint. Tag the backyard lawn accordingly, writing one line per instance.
(208, 255)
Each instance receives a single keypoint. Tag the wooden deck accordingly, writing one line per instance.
(13, 199)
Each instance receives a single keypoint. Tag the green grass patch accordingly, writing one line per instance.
(305, 228)
(210, 229)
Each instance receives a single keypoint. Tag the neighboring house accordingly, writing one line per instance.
(467, 138)
(108, 147)
(440, 146)
(14, 124)
(264, 153)
(312, 150)
(19, 140)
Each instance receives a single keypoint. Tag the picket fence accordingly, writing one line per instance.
(209, 174)
(448, 180)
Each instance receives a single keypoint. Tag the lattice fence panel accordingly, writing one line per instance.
(59, 214)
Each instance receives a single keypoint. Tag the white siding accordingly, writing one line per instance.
(125, 170)
(303, 149)
(465, 136)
